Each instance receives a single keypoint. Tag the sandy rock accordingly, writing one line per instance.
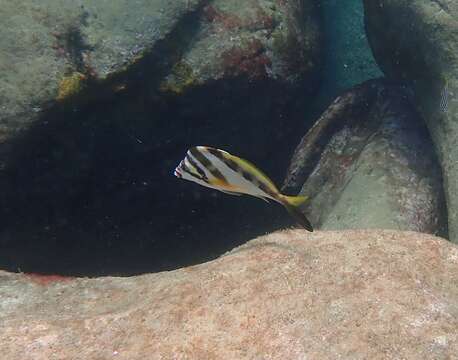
(418, 41)
(288, 295)
(369, 163)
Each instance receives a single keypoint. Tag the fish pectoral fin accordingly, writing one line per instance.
(263, 198)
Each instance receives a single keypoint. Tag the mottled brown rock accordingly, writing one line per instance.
(288, 295)
(252, 40)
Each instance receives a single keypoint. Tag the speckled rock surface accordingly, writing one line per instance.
(288, 295)
(418, 41)
(369, 163)
(251, 39)
(47, 52)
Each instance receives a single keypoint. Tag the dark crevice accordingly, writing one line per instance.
(89, 189)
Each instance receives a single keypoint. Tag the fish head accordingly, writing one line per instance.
(197, 167)
(186, 171)
(178, 172)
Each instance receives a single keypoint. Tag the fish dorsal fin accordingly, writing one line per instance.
(296, 200)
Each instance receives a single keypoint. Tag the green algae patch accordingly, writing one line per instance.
(181, 78)
(71, 85)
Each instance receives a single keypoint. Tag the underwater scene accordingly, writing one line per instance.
(228, 179)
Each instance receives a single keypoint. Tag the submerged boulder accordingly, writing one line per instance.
(417, 41)
(288, 295)
(253, 40)
(368, 162)
(49, 52)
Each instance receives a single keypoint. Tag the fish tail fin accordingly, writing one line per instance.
(292, 204)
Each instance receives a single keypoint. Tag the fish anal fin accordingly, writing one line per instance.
(267, 200)
(231, 192)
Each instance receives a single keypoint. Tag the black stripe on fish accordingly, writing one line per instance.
(238, 169)
(207, 164)
(266, 189)
(216, 153)
(190, 173)
(230, 163)
(197, 167)
(249, 177)
(185, 168)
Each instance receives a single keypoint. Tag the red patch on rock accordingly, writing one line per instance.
(45, 280)
(250, 60)
(227, 21)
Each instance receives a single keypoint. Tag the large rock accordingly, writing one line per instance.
(251, 39)
(50, 52)
(418, 41)
(288, 295)
(368, 162)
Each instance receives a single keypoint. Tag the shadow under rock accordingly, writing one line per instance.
(90, 190)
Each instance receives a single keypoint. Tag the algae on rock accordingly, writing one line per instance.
(71, 85)
(180, 79)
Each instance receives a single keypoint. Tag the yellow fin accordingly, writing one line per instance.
(295, 200)
(296, 213)
(292, 204)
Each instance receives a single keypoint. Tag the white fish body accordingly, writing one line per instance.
(217, 169)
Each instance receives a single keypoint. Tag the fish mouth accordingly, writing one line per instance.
(177, 173)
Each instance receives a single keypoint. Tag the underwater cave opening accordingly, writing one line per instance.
(90, 190)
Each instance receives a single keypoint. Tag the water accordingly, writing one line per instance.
(98, 109)
(115, 238)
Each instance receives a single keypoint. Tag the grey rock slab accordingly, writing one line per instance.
(288, 295)
(417, 41)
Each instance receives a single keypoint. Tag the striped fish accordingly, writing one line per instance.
(217, 169)
(443, 105)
